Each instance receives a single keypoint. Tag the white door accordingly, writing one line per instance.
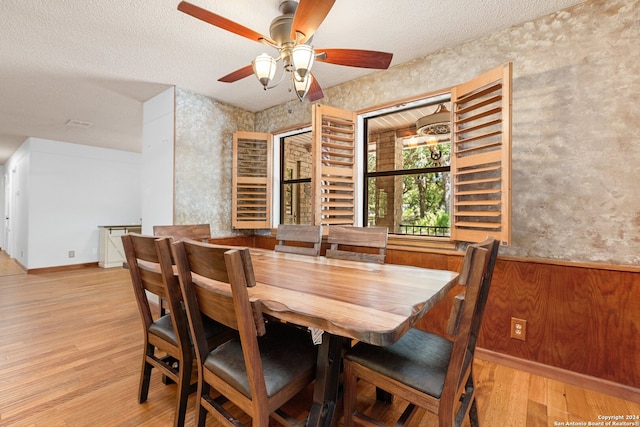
(7, 205)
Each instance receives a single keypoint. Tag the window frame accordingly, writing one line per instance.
(363, 141)
(399, 241)
(282, 179)
(277, 186)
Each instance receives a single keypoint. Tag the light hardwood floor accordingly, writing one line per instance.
(70, 354)
(8, 266)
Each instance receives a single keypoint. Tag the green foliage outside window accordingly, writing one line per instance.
(425, 193)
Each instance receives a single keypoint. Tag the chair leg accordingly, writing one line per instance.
(349, 398)
(145, 375)
(184, 386)
(473, 415)
(201, 412)
(467, 407)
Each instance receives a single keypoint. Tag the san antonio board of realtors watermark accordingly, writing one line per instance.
(604, 420)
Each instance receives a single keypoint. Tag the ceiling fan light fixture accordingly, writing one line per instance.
(302, 86)
(264, 67)
(302, 57)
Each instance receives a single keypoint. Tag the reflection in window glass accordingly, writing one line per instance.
(297, 203)
(408, 182)
(295, 177)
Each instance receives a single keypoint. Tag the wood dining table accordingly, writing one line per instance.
(340, 301)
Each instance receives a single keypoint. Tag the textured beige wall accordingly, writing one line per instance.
(576, 124)
(204, 138)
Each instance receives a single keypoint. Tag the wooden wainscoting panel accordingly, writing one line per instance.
(517, 290)
(248, 241)
(433, 260)
(584, 320)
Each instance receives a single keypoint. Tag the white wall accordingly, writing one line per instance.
(63, 193)
(17, 172)
(60, 192)
(3, 187)
(158, 160)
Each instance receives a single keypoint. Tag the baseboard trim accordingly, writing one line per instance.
(600, 385)
(63, 268)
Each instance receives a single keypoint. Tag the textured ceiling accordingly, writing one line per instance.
(97, 61)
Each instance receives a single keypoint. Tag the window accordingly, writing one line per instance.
(295, 179)
(407, 175)
(453, 182)
(479, 181)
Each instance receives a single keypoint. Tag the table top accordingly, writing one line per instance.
(374, 303)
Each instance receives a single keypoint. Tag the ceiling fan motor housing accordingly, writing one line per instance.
(280, 29)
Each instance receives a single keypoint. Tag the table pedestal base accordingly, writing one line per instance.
(326, 389)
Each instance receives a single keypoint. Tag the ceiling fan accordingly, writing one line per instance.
(290, 34)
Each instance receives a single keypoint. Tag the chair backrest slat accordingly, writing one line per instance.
(199, 264)
(454, 317)
(288, 235)
(372, 239)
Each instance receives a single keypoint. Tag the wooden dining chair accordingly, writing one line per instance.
(299, 239)
(427, 370)
(262, 369)
(367, 244)
(167, 343)
(200, 232)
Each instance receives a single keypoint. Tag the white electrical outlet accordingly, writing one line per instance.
(518, 329)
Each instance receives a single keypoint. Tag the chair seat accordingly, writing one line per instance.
(419, 360)
(163, 328)
(281, 345)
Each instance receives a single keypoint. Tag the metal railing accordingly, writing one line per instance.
(424, 230)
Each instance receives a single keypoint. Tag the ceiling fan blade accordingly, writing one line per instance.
(222, 22)
(237, 74)
(309, 15)
(355, 58)
(315, 91)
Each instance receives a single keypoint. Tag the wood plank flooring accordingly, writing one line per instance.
(8, 266)
(70, 354)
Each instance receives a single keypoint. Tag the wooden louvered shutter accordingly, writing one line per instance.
(333, 176)
(481, 157)
(251, 194)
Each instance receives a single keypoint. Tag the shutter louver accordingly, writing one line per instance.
(251, 204)
(481, 160)
(333, 179)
